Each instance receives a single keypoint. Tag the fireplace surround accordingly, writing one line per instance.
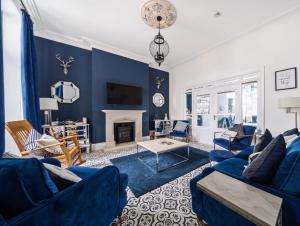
(124, 132)
(122, 116)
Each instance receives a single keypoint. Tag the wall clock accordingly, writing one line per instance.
(158, 100)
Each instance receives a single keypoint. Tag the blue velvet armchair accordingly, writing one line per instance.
(180, 134)
(96, 200)
(237, 143)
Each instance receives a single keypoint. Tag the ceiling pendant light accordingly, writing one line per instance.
(159, 14)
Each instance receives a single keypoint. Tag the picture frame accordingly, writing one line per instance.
(286, 79)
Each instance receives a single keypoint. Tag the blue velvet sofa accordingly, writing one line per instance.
(285, 184)
(237, 143)
(96, 200)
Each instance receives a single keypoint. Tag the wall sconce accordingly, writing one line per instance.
(288, 103)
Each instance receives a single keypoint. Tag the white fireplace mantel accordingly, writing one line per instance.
(119, 116)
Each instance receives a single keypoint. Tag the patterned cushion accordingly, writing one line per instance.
(181, 126)
(46, 140)
(31, 140)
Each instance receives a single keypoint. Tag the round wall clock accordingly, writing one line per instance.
(158, 100)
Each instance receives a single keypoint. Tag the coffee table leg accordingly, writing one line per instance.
(137, 148)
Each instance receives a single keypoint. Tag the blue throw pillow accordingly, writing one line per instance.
(287, 178)
(263, 168)
(35, 177)
(13, 195)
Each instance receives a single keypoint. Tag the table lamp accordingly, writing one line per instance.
(288, 103)
(48, 105)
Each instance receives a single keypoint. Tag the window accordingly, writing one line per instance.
(203, 110)
(226, 109)
(249, 103)
(12, 66)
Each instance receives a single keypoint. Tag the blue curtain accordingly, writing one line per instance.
(30, 97)
(2, 119)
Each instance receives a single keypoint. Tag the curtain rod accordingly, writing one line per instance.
(24, 7)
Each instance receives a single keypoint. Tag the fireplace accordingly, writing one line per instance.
(124, 132)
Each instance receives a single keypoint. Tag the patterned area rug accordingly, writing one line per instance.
(168, 205)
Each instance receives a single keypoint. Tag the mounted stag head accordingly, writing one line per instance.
(159, 81)
(65, 63)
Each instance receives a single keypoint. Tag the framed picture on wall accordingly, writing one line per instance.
(286, 79)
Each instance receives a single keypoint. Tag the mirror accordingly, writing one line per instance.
(158, 100)
(65, 92)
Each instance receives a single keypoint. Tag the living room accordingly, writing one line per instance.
(152, 112)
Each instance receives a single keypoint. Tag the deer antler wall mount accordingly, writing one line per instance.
(65, 64)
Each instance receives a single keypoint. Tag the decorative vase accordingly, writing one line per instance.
(166, 117)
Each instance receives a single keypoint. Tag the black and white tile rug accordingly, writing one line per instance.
(168, 205)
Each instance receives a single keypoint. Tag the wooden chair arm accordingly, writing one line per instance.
(67, 138)
(48, 146)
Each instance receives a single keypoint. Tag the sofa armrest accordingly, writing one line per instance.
(93, 201)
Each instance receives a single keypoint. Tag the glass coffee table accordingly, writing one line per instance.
(164, 145)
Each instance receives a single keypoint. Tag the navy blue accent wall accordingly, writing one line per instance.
(90, 72)
(50, 72)
(108, 67)
(158, 112)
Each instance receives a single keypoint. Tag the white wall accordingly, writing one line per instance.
(12, 67)
(275, 46)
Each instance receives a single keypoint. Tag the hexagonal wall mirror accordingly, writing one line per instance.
(65, 92)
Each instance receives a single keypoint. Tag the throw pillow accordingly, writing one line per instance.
(46, 140)
(62, 178)
(239, 129)
(264, 167)
(291, 132)
(289, 139)
(13, 195)
(263, 141)
(253, 156)
(181, 126)
(31, 140)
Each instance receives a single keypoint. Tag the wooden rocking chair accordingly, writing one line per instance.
(20, 130)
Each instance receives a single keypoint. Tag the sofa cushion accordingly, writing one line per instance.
(35, 177)
(287, 178)
(13, 195)
(264, 167)
(224, 143)
(263, 141)
(232, 166)
(291, 132)
(244, 154)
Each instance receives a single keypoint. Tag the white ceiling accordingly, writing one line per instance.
(117, 23)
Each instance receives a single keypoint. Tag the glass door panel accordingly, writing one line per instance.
(203, 110)
(226, 109)
(249, 103)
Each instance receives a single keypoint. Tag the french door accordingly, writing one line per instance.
(218, 107)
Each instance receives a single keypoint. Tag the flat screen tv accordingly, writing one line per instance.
(124, 94)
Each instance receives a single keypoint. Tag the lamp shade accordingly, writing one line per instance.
(289, 102)
(48, 104)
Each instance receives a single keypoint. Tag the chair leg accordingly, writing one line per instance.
(120, 217)
(200, 222)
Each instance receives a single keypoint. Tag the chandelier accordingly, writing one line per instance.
(159, 14)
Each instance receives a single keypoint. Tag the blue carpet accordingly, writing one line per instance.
(144, 178)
